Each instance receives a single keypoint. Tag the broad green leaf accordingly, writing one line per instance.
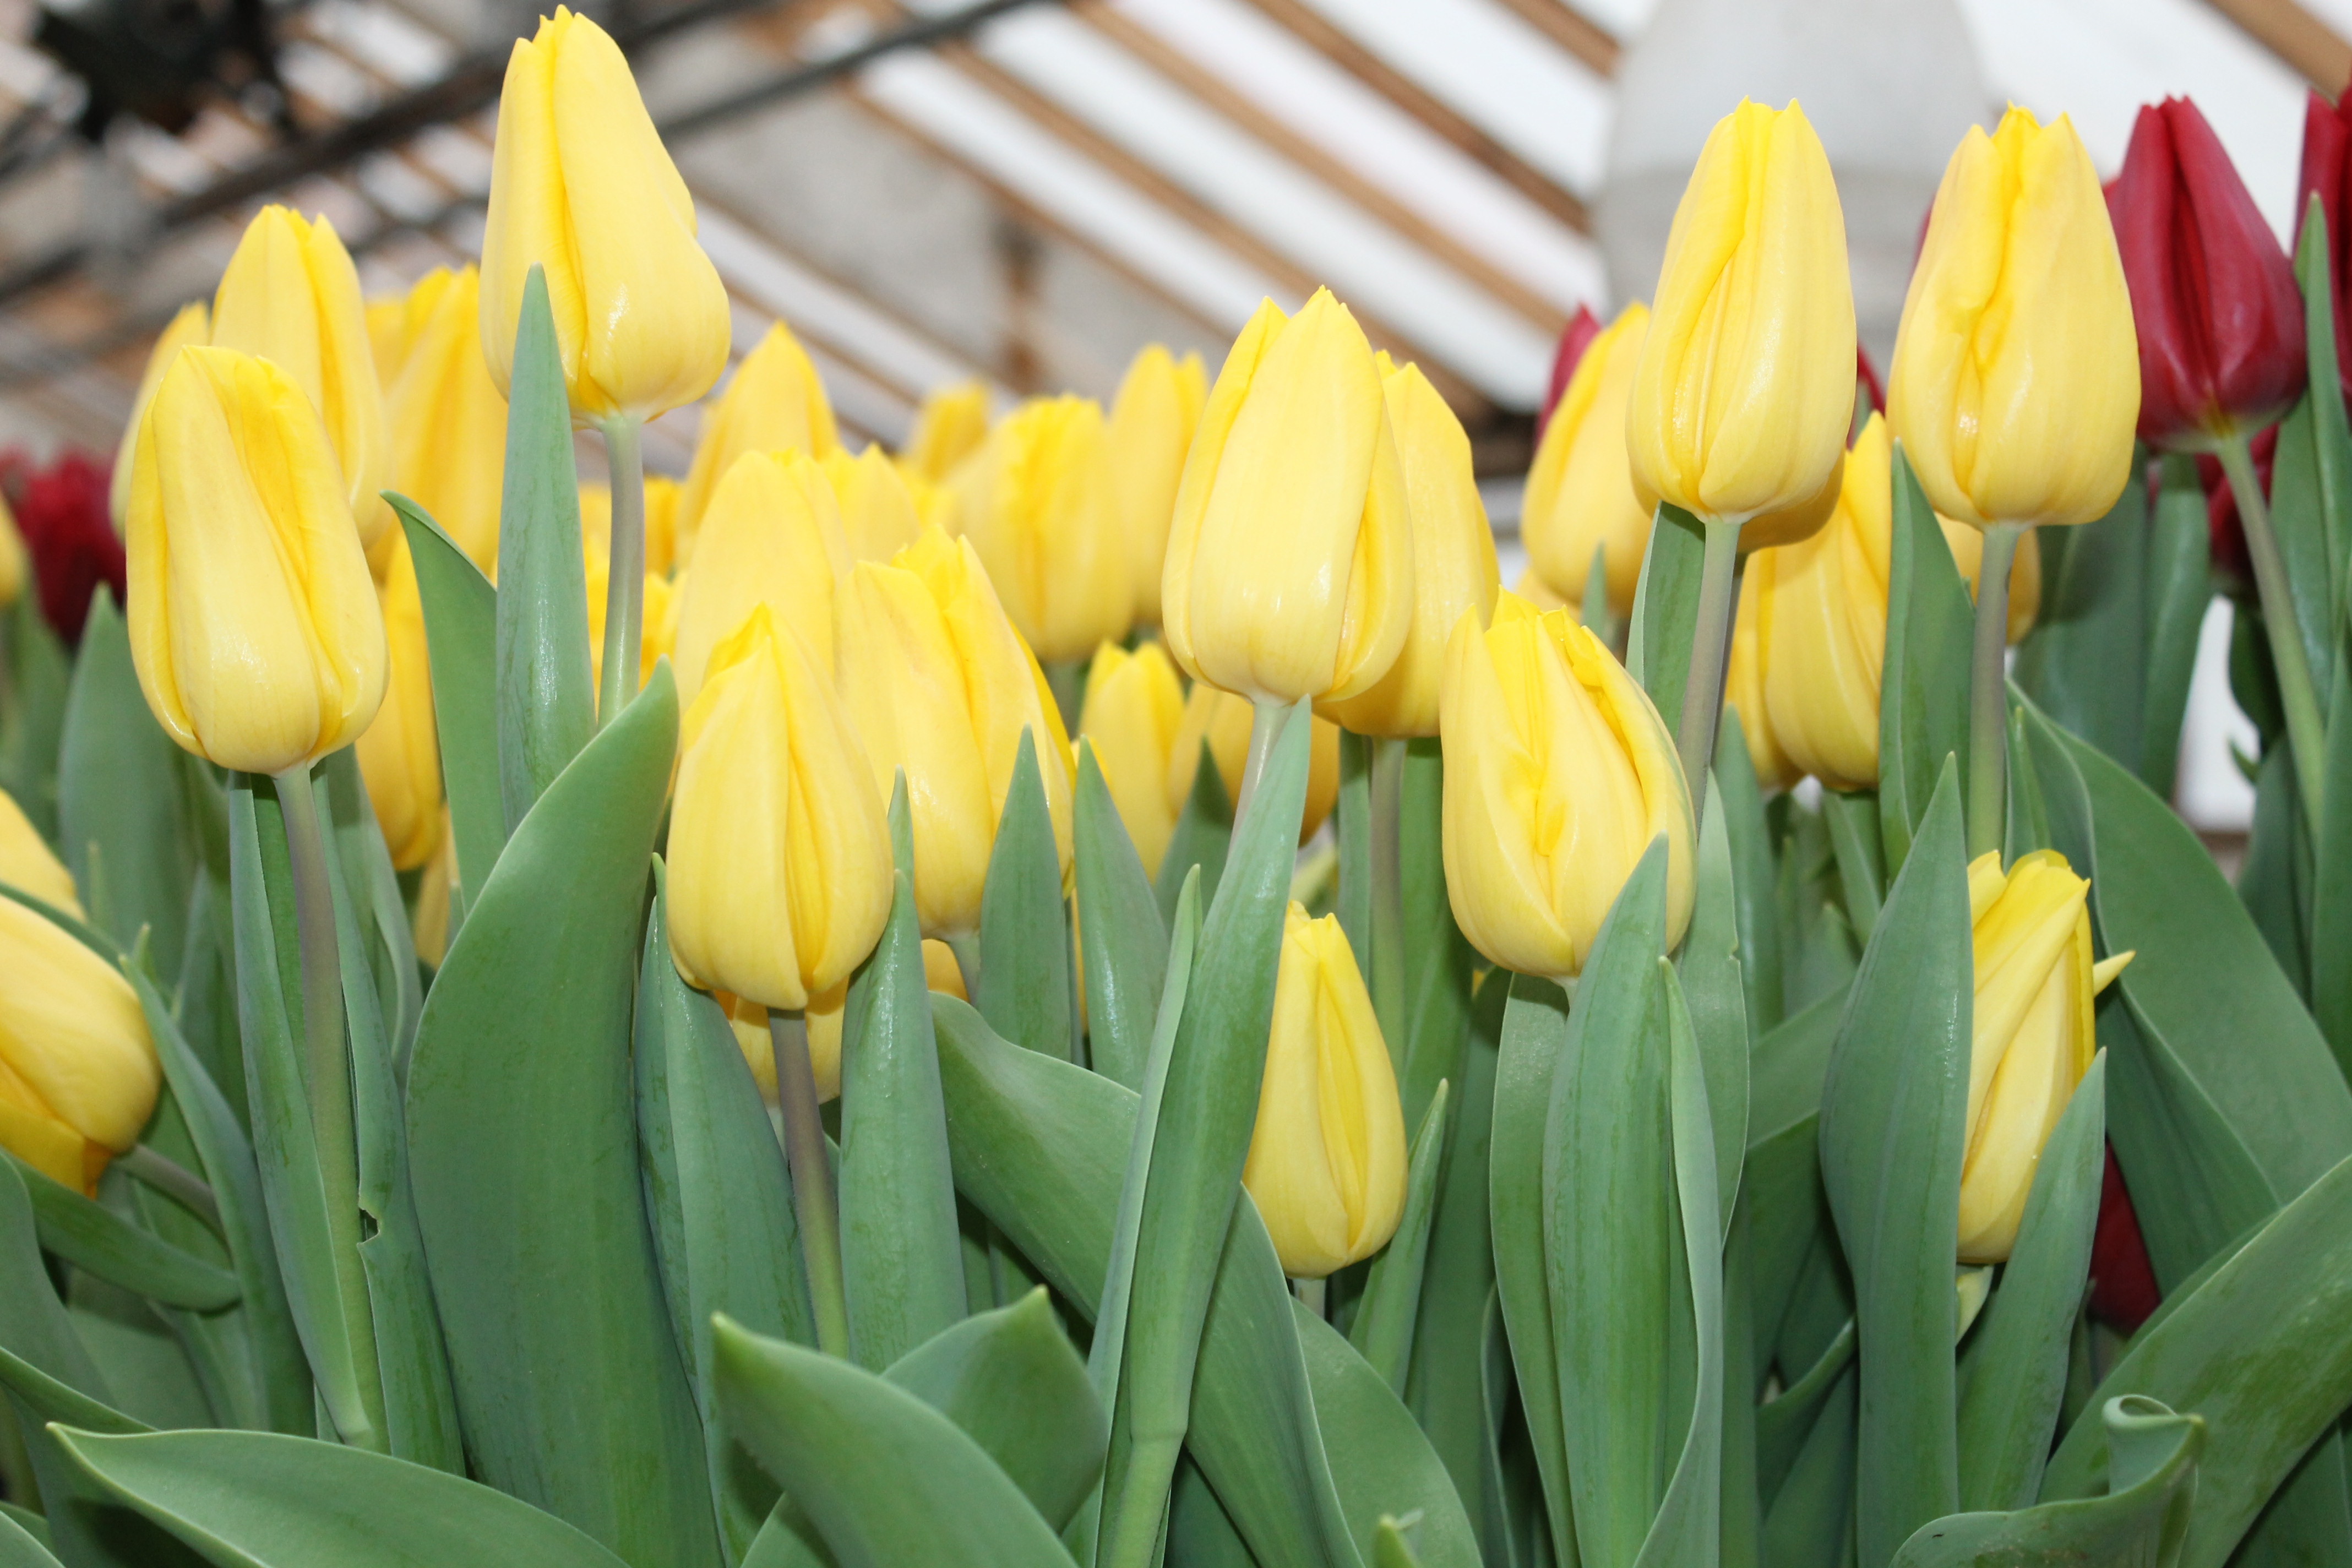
(2331, 890)
(90, 1236)
(1853, 840)
(1741, 802)
(901, 1259)
(20, 1548)
(1351, 826)
(1666, 610)
(2179, 589)
(1742, 1504)
(887, 1480)
(1536, 1024)
(1891, 1143)
(1382, 1331)
(1783, 1426)
(2331, 428)
(1201, 1534)
(461, 631)
(546, 688)
(1024, 989)
(1716, 990)
(2274, 879)
(1203, 837)
(1438, 962)
(1383, 1465)
(261, 1499)
(31, 724)
(1923, 705)
(523, 1148)
(1810, 1519)
(2085, 662)
(1122, 937)
(34, 1327)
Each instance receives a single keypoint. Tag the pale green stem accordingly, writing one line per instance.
(174, 1180)
(1383, 965)
(1718, 596)
(1988, 691)
(1266, 720)
(1316, 1295)
(812, 1179)
(1133, 1541)
(2306, 731)
(965, 945)
(624, 580)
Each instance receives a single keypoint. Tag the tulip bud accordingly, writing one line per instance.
(78, 1072)
(1453, 566)
(1559, 775)
(948, 426)
(387, 330)
(1326, 1159)
(878, 508)
(254, 624)
(449, 421)
(582, 187)
(1133, 711)
(1575, 341)
(1539, 593)
(1151, 424)
(399, 754)
(194, 324)
(663, 557)
(2327, 174)
(940, 685)
(774, 537)
(658, 615)
(1289, 570)
(1745, 389)
(1223, 720)
(779, 872)
(291, 295)
(2016, 378)
(1579, 494)
(2024, 573)
(13, 563)
(429, 927)
(1036, 503)
(774, 404)
(1743, 690)
(2213, 298)
(2033, 1038)
(29, 865)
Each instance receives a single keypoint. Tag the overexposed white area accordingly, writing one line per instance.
(2211, 791)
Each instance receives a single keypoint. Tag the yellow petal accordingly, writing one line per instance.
(1580, 492)
(1036, 504)
(772, 537)
(72, 1029)
(1133, 710)
(775, 403)
(1151, 430)
(28, 864)
(449, 422)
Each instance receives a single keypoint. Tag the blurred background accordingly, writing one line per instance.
(1025, 191)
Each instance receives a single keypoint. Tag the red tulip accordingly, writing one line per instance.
(1574, 339)
(2123, 1284)
(2214, 299)
(1867, 374)
(2328, 173)
(61, 513)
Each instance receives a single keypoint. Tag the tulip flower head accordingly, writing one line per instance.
(1223, 720)
(13, 562)
(1559, 775)
(879, 515)
(254, 622)
(1133, 711)
(774, 404)
(2327, 174)
(192, 325)
(2016, 378)
(663, 557)
(29, 866)
(1574, 340)
(1036, 502)
(1326, 1159)
(78, 1071)
(774, 537)
(1289, 569)
(1151, 430)
(948, 426)
(582, 187)
(449, 420)
(400, 752)
(1579, 495)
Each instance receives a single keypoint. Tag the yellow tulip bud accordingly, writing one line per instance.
(1540, 593)
(773, 538)
(430, 927)
(1580, 496)
(291, 295)
(582, 187)
(878, 509)
(194, 324)
(2032, 1039)
(387, 330)
(1791, 523)
(951, 423)
(1134, 707)
(1289, 569)
(2024, 573)
(399, 754)
(1743, 691)
(2015, 388)
(1036, 503)
(1745, 389)
(1326, 1159)
(28, 864)
(1559, 776)
(775, 403)
(940, 970)
(662, 555)
(78, 1072)
(779, 857)
(1223, 720)
(1454, 567)
(1151, 424)
(13, 562)
(254, 624)
(941, 685)
(448, 420)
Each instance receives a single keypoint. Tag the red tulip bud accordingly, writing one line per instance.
(2328, 173)
(2123, 1285)
(1574, 339)
(1867, 374)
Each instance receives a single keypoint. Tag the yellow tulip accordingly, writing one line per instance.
(254, 624)
(1453, 566)
(28, 864)
(1036, 503)
(1223, 720)
(580, 186)
(194, 324)
(1559, 776)
(1152, 423)
(2024, 573)
(1133, 710)
(2015, 388)
(748, 1022)
(779, 857)
(951, 422)
(2032, 1039)
(1539, 593)
(773, 538)
(663, 557)
(387, 330)
(775, 403)
(1326, 1159)
(448, 420)
(1289, 569)
(78, 1072)
(1579, 495)
(940, 684)
(658, 612)
(399, 754)
(429, 927)
(1745, 390)
(1743, 691)
(878, 509)
(935, 504)
(291, 295)
(13, 562)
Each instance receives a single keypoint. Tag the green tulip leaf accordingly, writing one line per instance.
(1666, 610)
(1811, 1518)
(2331, 884)
(92, 1237)
(1741, 801)
(1437, 964)
(1203, 836)
(2180, 588)
(20, 1548)
(2311, 476)
(1382, 1331)
(1024, 987)
(1850, 817)
(1783, 1426)
(1536, 1022)
(461, 631)
(1717, 993)
(1351, 826)
(2085, 662)
(1923, 705)
(1122, 937)
(31, 725)
(523, 1147)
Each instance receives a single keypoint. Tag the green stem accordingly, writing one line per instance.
(812, 1179)
(1316, 1295)
(625, 577)
(175, 1182)
(1132, 1539)
(965, 945)
(1266, 722)
(1384, 964)
(1988, 691)
(1718, 596)
(2306, 731)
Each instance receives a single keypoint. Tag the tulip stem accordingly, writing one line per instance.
(1988, 692)
(624, 576)
(1718, 585)
(175, 1182)
(2306, 731)
(812, 1179)
(1266, 722)
(1382, 960)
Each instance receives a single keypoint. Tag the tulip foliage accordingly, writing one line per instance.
(1395, 1101)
